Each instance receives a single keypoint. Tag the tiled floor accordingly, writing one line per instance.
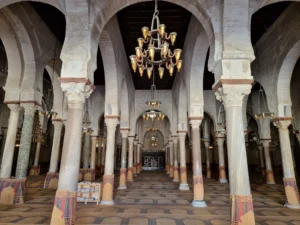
(154, 200)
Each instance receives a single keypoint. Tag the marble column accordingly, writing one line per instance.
(171, 159)
(269, 170)
(25, 143)
(130, 159)
(98, 164)
(103, 154)
(93, 151)
(208, 170)
(108, 177)
(261, 159)
(183, 173)
(138, 158)
(198, 186)
(167, 159)
(222, 171)
(240, 192)
(66, 195)
(134, 171)
(289, 180)
(175, 165)
(10, 142)
(87, 148)
(123, 169)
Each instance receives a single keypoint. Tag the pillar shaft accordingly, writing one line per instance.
(37, 154)
(55, 146)
(289, 179)
(25, 143)
(123, 169)
(261, 159)
(99, 152)
(183, 173)
(198, 185)
(9, 148)
(208, 170)
(269, 170)
(167, 159)
(130, 159)
(134, 171)
(138, 157)
(222, 171)
(86, 149)
(103, 155)
(171, 160)
(175, 165)
(240, 192)
(93, 152)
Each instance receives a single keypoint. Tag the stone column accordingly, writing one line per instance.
(222, 171)
(289, 179)
(183, 173)
(134, 171)
(10, 142)
(93, 152)
(198, 185)
(167, 159)
(208, 171)
(171, 159)
(130, 159)
(103, 155)
(240, 191)
(269, 170)
(66, 195)
(37, 154)
(99, 152)
(86, 148)
(25, 143)
(108, 177)
(123, 170)
(175, 166)
(138, 157)
(261, 159)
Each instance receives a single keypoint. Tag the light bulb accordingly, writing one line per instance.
(141, 70)
(145, 31)
(138, 51)
(149, 72)
(161, 30)
(173, 37)
(179, 65)
(151, 51)
(140, 42)
(133, 62)
(177, 53)
(164, 49)
(161, 72)
(171, 70)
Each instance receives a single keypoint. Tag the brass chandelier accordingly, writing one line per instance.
(266, 114)
(158, 52)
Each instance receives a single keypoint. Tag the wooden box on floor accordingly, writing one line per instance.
(89, 192)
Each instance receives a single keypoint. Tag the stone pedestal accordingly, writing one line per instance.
(122, 182)
(183, 173)
(10, 141)
(175, 166)
(289, 180)
(34, 171)
(222, 171)
(108, 178)
(12, 191)
(51, 180)
(198, 187)
(232, 96)
(25, 143)
(88, 174)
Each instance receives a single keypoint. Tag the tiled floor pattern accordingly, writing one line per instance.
(152, 199)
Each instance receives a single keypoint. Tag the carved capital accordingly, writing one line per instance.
(233, 95)
(57, 124)
(124, 133)
(14, 107)
(111, 123)
(76, 93)
(220, 141)
(29, 109)
(175, 139)
(282, 124)
(195, 124)
(181, 136)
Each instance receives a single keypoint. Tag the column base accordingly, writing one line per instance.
(122, 182)
(12, 191)
(184, 187)
(242, 210)
(108, 188)
(86, 174)
(175, 180)
(129, 174)
(122, 187)
(291, 191)
(107, 203)
(34, 170)
(270, 183)
(64, 208)
(208, 173)
(290, 206)
(199, 204)
(51, 180)
(223, 181)
(270, 177)
(171, 171)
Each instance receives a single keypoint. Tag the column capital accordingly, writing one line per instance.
(77, 92)
(181, 134)
(29, 108)
(111, 122)
(57, 124)
(14, 107)
(130, 139)
(195, 124)
(124, 133)
(220, 140)
(282, 122)
(266, 142)
(233, 95)
(175, 139)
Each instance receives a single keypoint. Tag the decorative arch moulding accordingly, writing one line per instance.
(76, 80)
(219, 84)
